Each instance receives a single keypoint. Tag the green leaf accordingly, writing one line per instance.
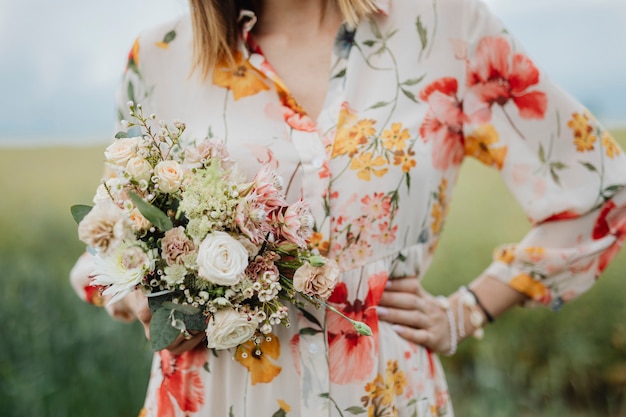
(162, 334)
(206, 367)
(407, 177)
(379, 104)
(558, 165)
(356, 410)
(120, 135)
(542, 154)
(325, 395)
(409, 95)
(153, 214)
(375, 30)
(130, 91)
(388, 35)
(155, 303)
(309, 331)
(340, 74)
(183, 308)
(230, 412)
(369, 43)
(279, 413)
(421, 31)
(589, 166)
(169, 36)
(413, 81)
(79, 211)
(555, 176)
(410, 403)
(194, 321)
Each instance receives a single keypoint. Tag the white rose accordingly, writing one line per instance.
(112, 188)
(104, 227)
(221, 259)
(170, 176)
(122, 150)
(139, 169)
(228, 329)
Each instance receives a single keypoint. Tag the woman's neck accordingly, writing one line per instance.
(297, 17)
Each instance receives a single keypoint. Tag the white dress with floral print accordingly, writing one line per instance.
(412, 92)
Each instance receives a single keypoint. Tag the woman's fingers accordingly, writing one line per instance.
(405, 284)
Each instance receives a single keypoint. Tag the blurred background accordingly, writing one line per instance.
(59, 65)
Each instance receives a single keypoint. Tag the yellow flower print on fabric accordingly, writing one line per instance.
(257, 358)
(395, 138)
(479, 144)
(440, 208)
(612, 148)
(380, 394)
(437, 219)
(526, 284)
(405, 159)
(242, 78)
(351, 133)
(365, 164)
(581, 126)
(505, 255)
(284, 406)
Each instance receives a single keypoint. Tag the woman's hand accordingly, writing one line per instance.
(137, 302)
(416, 315)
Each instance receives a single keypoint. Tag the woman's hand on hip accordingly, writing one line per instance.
(416, 315)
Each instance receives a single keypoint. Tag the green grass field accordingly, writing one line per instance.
(60, 357)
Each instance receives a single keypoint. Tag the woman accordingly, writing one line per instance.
(367, 108)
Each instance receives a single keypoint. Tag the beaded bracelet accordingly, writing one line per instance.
(445, 305)
(488, 315)
(468, 299)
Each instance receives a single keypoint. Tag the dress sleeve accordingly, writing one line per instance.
(562, 166)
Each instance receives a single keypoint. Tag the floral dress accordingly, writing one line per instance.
(412, 92)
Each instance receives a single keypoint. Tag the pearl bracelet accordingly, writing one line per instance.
(445, 305)
(468, 299)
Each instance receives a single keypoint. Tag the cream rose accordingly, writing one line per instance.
(228, 328)
(316, 281)
(139, 169)
(170, 175)
(122, 150)
(222, 259)
(104, 227)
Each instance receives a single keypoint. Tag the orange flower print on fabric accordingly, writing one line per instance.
(181, 382)
(284, 406)
(505, 254)
(526, 284)
(352, 356)
(610, 221)
(387, 233)
(133, 58)
(584, 137)
(395, 138)
(242, 78)
(440, 208)
(351, 132)
(612, 148)
(479, 144)
(257, 358)
(496, 77)
(405, 159)
(366, 164)
(443, 122)
(293, 113)
(376, 206)
(381, 392)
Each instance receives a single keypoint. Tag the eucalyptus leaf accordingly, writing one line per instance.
(309, 331)
(379, 104)
(155, 303)
(120, 135)
(162, 334)
(153, 214)
(310, 317)
(79, 211)
(169, 36)
(279, 413)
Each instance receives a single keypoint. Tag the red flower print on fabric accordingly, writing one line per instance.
(352, 356)
(181, 382)
(611, 221)
(443, 123)
(494, 77)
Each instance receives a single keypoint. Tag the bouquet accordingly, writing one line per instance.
(212, 251)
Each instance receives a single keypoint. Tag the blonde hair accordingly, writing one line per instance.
(216, 27)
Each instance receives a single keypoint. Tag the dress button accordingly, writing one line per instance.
(317, 163)
(313, 348)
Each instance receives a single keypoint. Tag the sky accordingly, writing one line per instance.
(60, 61)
